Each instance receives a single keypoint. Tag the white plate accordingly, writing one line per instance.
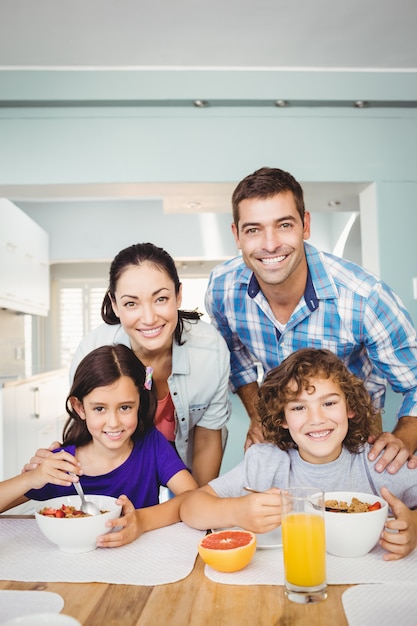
(273, 539)
(42, 619)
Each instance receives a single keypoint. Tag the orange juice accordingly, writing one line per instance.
(303, 540)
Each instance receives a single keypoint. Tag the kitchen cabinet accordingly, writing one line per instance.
(33, 414)
(24, 262)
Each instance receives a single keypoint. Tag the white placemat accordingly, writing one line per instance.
(157, 557)
(18, 603)
(384, 605)
(267, 568)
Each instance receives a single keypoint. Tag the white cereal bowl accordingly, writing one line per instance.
(353, 534)
(77, 534)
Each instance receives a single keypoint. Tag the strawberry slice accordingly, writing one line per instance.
(375, 506)
(49, 511)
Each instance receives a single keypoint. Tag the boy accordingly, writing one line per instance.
(316, 418)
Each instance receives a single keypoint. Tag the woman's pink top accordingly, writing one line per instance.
(165, 417)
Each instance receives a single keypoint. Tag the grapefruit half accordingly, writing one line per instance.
(228, 550)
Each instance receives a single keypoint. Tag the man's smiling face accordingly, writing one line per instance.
(271, 237)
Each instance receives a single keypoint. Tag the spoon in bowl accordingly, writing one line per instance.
(326, 508)
(87, 507)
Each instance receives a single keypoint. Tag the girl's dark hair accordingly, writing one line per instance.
(136, 255)
(100, 368)
(297, 373)
(265, 183)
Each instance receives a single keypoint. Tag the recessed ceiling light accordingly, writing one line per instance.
(200, 104)
(193, 205)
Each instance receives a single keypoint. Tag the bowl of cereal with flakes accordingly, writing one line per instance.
(63, 523)
(354, 522)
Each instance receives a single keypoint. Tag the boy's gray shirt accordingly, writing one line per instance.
(265, 466)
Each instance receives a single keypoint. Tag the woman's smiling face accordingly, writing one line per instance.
(318, 421)
(147, 306)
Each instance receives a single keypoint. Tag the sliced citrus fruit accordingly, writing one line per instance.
(228, 550)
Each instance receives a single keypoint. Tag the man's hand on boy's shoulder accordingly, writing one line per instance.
(254, 434)
(394, 453)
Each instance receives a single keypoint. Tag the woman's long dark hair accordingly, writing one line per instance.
(100, 368)
(136, 255)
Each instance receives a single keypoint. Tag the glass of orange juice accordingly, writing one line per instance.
(304, 544)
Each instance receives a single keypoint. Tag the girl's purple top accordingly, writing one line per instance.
(152, 463)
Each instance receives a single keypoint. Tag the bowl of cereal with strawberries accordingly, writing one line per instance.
(63, 523)
(353, 521)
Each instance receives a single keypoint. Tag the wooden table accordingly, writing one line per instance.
(193, 601)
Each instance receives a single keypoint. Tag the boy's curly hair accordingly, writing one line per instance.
(296, 373)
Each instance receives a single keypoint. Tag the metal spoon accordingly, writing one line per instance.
(251, 490)
(87, 507)
(326, 508)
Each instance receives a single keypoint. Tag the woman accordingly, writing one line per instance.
(189, 358)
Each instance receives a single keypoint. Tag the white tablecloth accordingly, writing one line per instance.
(157, 557)
(18, 603)
(382, 605)
(267, 568)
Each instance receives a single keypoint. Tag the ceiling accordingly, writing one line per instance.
(219, 33)
(354, 35)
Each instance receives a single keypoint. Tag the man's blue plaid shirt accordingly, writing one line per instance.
(344, 309)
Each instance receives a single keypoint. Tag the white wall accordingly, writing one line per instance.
(341, 145)
(97, 230)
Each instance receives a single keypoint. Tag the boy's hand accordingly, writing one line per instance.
(260, 512)
(400, 534)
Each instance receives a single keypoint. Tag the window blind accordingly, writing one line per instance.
(79, 312)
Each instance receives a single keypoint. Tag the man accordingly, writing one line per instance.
(283, 294)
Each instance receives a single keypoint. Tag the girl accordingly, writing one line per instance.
(110, 442)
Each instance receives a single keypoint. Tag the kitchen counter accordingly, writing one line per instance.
(8, 381)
